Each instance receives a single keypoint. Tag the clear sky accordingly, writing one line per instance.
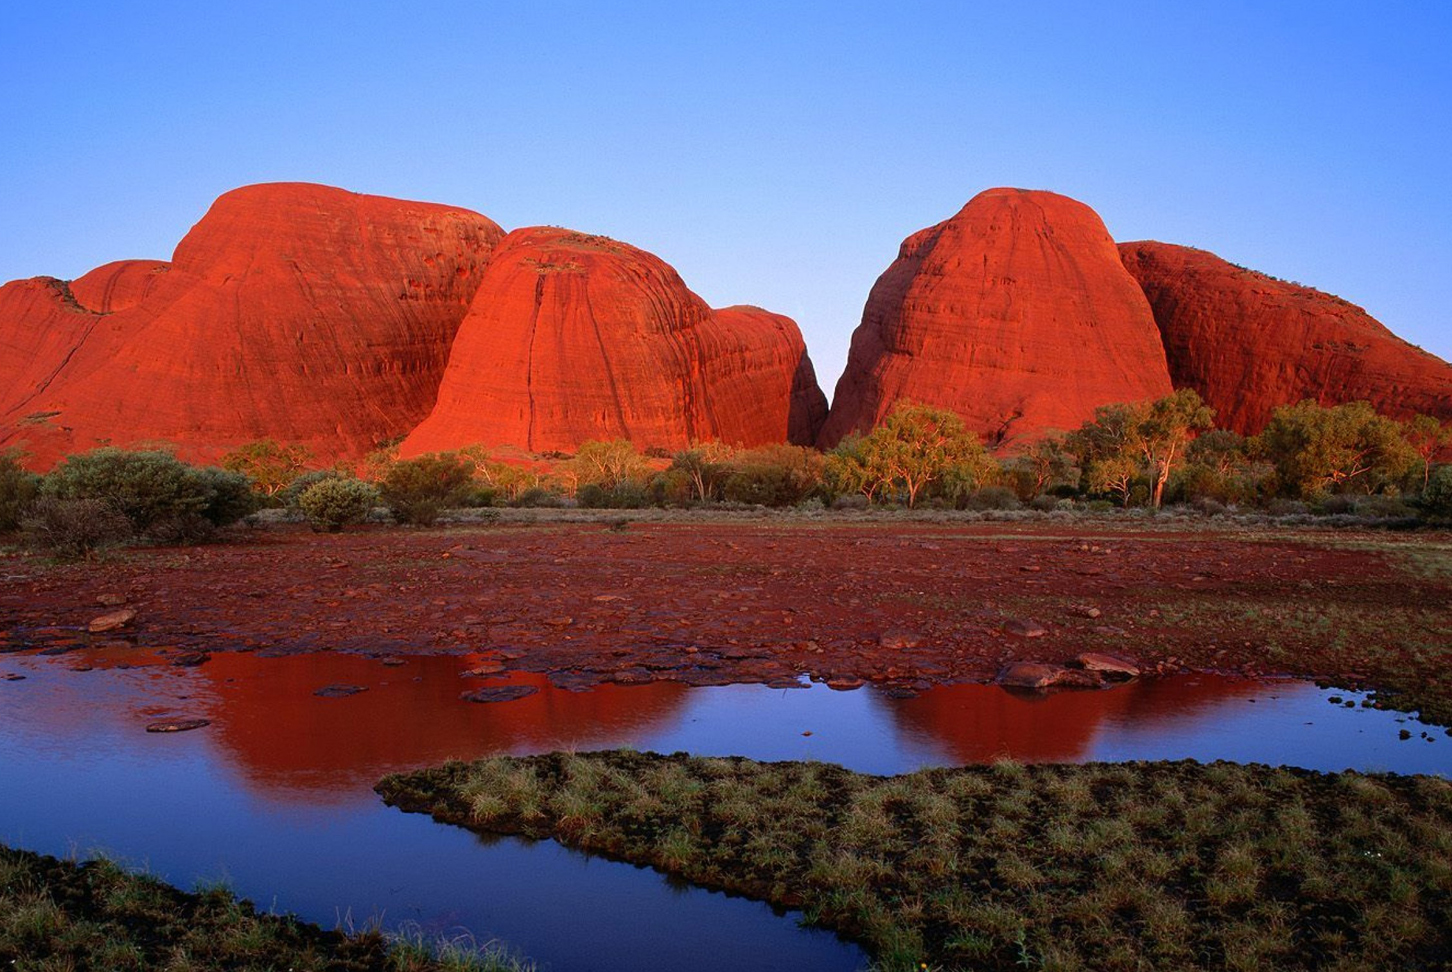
(775, 153)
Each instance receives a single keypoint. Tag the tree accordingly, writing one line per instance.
(608, 464)
(1427, 438)
(1043, 465)
(1165, 432)
(917, 446)
(1318, 450)
(773, 475)
(706, 466)
(271, 465)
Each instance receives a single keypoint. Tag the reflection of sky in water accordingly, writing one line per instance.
(275, 794)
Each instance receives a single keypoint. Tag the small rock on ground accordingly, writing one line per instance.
(339, 690)
(499, 693)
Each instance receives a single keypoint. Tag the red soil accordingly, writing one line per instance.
(711, 602)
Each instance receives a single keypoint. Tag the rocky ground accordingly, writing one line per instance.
(711, 600)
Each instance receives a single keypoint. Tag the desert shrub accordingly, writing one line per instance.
(336, 502)
(622, 496)
(291, 493)
(991, 498)
(608, 464)
(418, 490)
(1044, 503)
(18, 489)
(851, 501)
(539, 496)
(74, 526)
(1286, 507)
(161, 496)
(671, 487)
(1437, 496)
(774, 475)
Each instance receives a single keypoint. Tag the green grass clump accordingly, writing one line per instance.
(59, 915)
(1160, 866)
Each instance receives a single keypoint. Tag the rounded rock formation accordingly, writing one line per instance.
(295, 312)
(1249, 343)
(1016, 314)
(573, 337)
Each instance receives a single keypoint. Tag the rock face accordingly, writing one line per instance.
(297, 312)
(1016, 314)
(574, 337)
(1249, 343)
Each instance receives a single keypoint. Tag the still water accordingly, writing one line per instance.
(275, 796)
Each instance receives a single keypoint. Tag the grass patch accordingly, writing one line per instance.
(1104, 866)
(60, 915)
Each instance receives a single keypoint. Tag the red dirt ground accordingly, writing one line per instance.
(710, 601)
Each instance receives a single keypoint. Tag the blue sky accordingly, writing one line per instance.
(774, 153)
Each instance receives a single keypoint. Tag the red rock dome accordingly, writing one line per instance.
(573, 337)
(1016, 314)
(297, 312)
(1249, 343)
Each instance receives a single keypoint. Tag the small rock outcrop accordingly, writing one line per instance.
(297, 312)
(1016, 313)
(1248, 343)
(573, 337)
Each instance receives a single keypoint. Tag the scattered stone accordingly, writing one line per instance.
(1110, 666)
(499, 693)
(603, 598)
(393, 661)
(482, 669)
(1025, 629)
(111, 599)
(112, 621)
(177, 725)
(55, 650)
(1030, 675)
(1085, 611)
(898, 640)
(339, 690)
(559, 622)
(845, 684)
(11, 677)
(191, 659)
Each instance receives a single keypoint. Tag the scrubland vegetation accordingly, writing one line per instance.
(62, 915)
(1345, 460)
(1161, 866)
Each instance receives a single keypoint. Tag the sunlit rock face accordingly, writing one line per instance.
(297, 312)
(573, 337)
(1016, 313)
(1249, 343)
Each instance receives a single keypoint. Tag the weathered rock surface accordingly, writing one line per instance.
(297, 312)
(1249, 343)
(1110, 666)
(177, 725)
(1016, 313)
(573, 337)
(111, 621)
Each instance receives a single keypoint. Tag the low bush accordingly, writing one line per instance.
(539, 496)
(334, 503)
(417, 490)
(160, 496)
(19, 488)
(991, 498)
(1437, 497)
(74, 527)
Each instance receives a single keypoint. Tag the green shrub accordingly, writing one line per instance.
(74, 527)
(1437, 497)
(336, 502)
(774, 475)
(418, 490)
(289, 495)
(161, 496)
(541, 496)
(18, 489)
(993, 498)
(623, 496)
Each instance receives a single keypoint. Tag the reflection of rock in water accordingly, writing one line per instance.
(288, 743)
(981, 723)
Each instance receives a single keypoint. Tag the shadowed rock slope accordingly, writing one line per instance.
(573, 337)
(300, 312)
(1016, 313)
(1249, 343)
